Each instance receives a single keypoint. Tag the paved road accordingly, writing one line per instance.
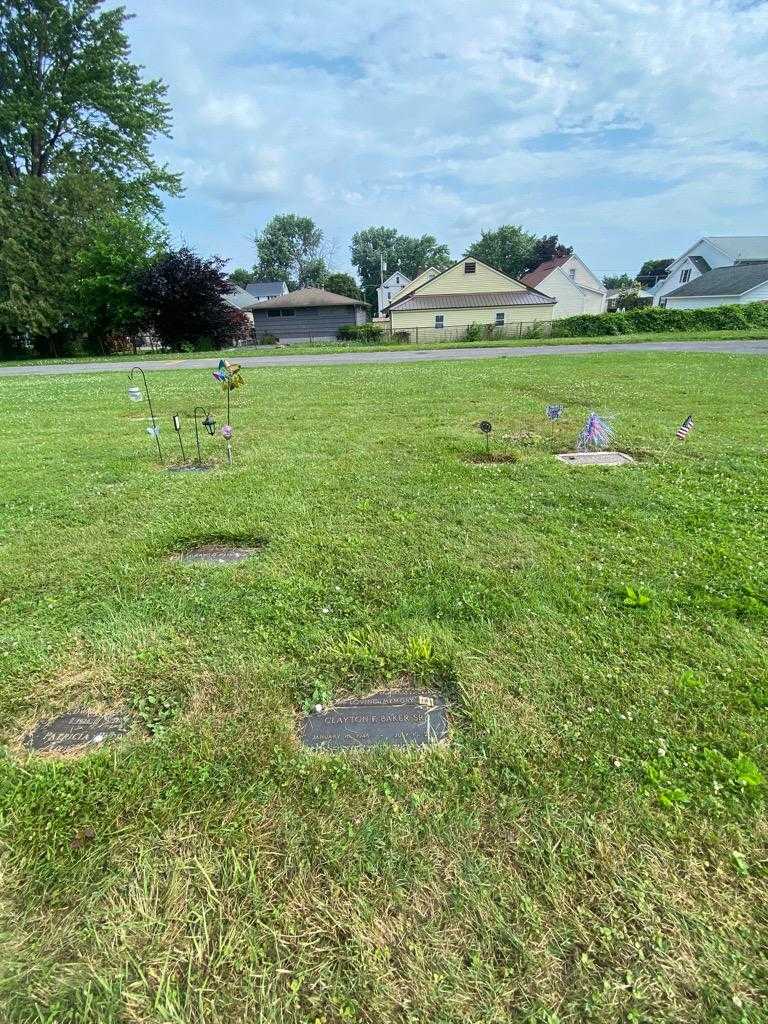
(404, 356)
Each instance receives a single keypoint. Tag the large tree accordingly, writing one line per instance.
(621, 282)
(71, 99)
(184, 299)
(343, 284)
(652, 270)
(376, 246)
(289, 249)
(241, 276)
(514, 251)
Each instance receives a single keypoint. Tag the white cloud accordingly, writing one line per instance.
(627, 127)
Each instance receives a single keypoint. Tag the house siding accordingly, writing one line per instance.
(309, 322)
(714, 257)
(571, 300)
(456, 282)
(759, 294)
(406, 320)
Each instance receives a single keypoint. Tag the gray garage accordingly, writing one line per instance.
(309, 313)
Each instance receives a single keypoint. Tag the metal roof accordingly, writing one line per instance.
(472, 300)
(741, 247)
(725, 281)
(239, 297)
(308, 297)
(261, 288)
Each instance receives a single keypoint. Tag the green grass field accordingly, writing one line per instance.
(327, 347)
(590, 846)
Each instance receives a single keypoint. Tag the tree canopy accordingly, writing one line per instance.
(400, 252)
(343, 284)
(289, 249)
(652, 270)
(184, 300)
(620, 282)
(241, 276)
(515, 251)
(72, 100)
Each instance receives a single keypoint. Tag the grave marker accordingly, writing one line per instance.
(75, 730)
(395, 718)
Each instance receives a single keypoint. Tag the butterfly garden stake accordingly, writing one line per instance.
(229, 376)
(134, 393)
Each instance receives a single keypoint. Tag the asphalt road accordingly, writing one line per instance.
(404, 356)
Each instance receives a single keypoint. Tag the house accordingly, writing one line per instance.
(262, 291)
(571, 282)
(469, 292)
(421, 278)
(240, 299)
(388, 289)
(724, 286)
(308, 313)
(710, 253)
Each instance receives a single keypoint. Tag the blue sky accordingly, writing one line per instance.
(630, 128)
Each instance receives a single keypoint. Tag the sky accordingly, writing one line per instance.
(630, 128)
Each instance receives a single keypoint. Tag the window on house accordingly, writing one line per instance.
(439, 320)
(685, 275)
(288, 312)
(470, 267)
(397, 280)
(572, 273)
(663, 303)
(273, 312)
(499, 319)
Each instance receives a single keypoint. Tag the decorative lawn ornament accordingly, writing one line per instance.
(485, 428)
(596, 434)
(135, 396)
(177, 428)
(208, 422)
(554, 412)
(226, 433)
(229, 376)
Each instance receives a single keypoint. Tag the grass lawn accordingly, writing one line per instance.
(333, 347)
(590, 846)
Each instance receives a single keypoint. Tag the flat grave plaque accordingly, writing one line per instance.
(595, 458)
(395, 718)
(75, 730)
(189, 469)
(215, 554)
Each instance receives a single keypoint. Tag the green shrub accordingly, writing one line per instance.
(476, 332)
(401, 336)
(654, 319)
(370, 333)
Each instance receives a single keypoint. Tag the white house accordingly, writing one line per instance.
(569, 280)
(707, 254)
(724, 286)
(389, 289)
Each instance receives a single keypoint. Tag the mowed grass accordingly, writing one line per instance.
(591, 843)
(331, 347)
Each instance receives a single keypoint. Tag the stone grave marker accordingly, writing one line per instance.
(595, 458)
(215, 554)
(75, 730)
(396, 718)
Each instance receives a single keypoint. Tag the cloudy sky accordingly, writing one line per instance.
(628, 127)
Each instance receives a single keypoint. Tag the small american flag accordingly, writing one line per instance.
(684, 430)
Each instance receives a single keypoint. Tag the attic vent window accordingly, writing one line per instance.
(572, 273)
(685, 275)
(470, 267)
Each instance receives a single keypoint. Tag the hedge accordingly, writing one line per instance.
(371, 333)
(652, 319)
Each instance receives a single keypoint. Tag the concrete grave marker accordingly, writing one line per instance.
(215, 554)
(595, 458)
(75, 730)
(396, 718)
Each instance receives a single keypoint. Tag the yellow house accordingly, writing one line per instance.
(470, 292)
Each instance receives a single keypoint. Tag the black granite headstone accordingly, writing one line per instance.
(74, 730)
(396, 718)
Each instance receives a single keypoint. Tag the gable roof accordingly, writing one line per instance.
(261, 288)
(308, 297)
(536, 276)
(740, 247)
(473, 300)
(238, 297)
(423, 277)
(397, 273)
(725, 281)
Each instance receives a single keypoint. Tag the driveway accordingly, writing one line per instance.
(405, 356)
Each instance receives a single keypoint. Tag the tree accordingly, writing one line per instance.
(619, 282)
(241, 276)
(409, 254)
(183, 297)
(514, 251)
(290, 249)
(72, 101)
(343, 284)
(107, 306)
(652, 270)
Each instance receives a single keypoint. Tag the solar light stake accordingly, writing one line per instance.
(207, 415)
(155, 430)
(486, 428)
(177, 428)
